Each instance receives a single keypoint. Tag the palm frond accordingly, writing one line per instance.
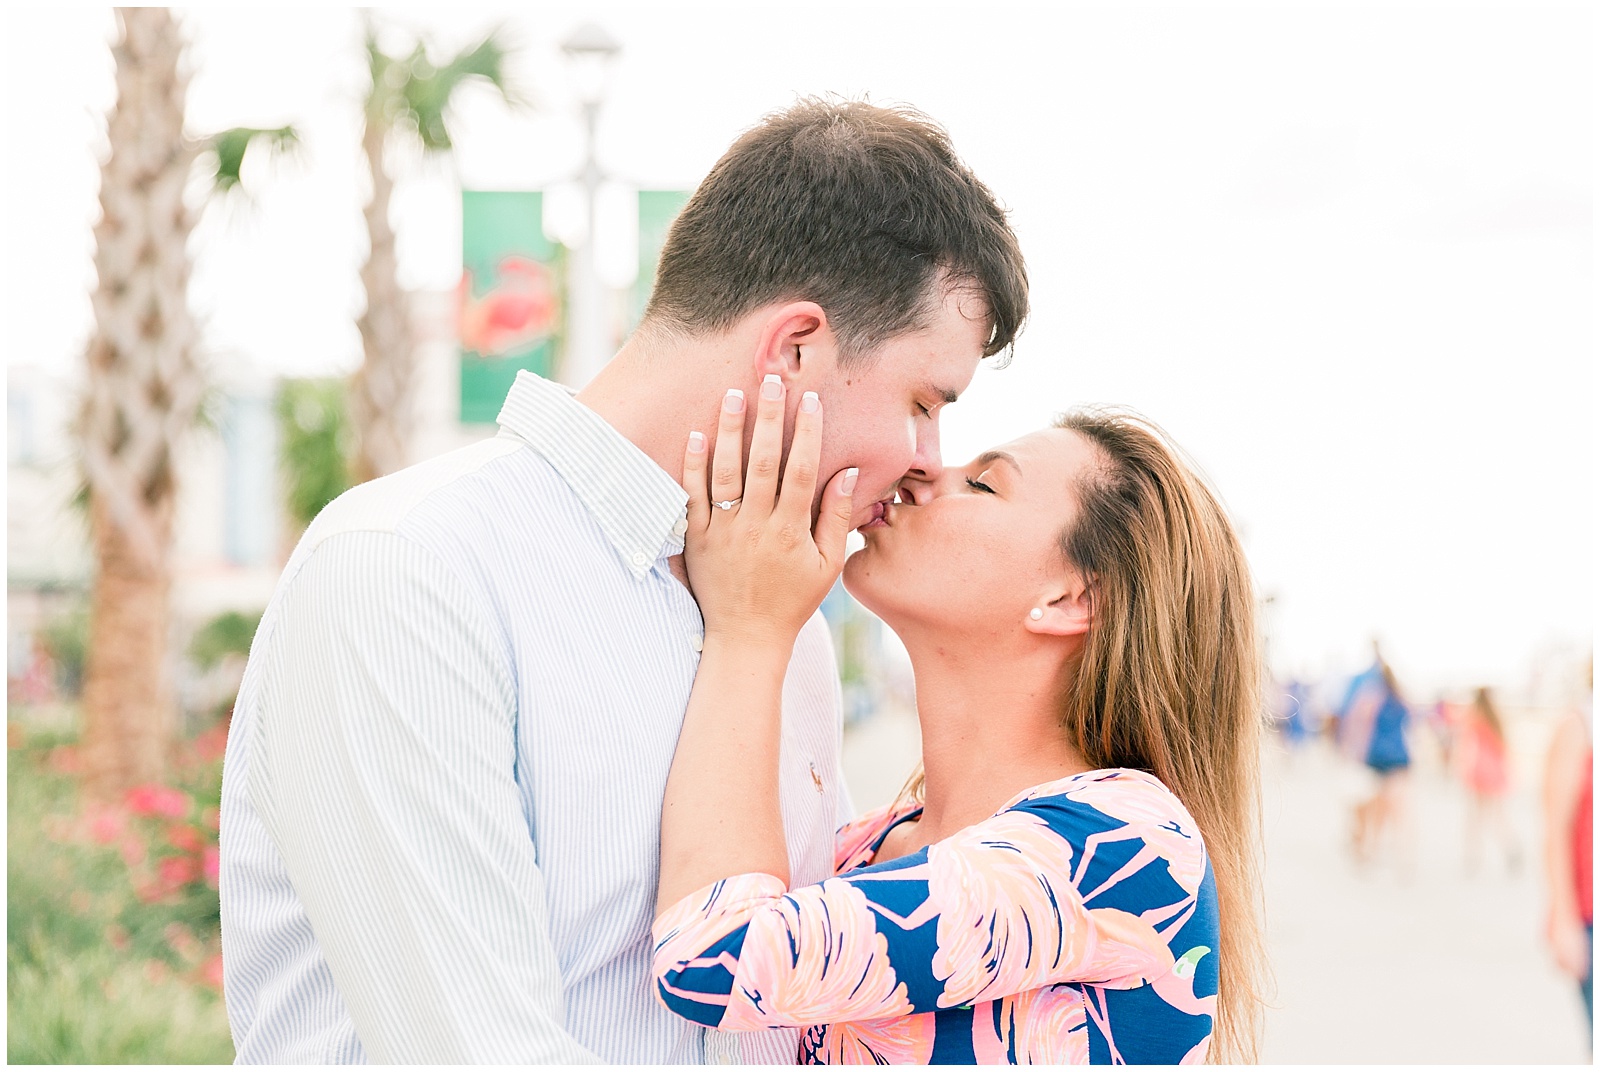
(429, 89)
(225, 152)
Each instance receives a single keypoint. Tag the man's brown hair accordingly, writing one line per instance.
(864, 210)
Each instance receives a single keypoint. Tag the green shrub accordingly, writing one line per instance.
(229, 633)
(66, 640)
(95, 1006)
(317, 440)
(113, 952)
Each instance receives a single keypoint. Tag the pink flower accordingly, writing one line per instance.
(211, 865)
(185, 837)
(158, 800)
(210, 745)
(211, 971)
(106, 825)
(177, 871)
(133, 850)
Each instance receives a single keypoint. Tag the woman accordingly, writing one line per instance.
(1568, 803)
(1486, 772)
(1380, 719)
(1073, 876)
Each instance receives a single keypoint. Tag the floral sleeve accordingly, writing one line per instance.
(1081, 880)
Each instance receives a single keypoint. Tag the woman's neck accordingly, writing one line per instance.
(990, 729)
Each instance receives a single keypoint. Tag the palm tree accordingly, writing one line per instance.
(144, 389)
(409, 99)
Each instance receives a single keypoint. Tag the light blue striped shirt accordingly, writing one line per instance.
(441, 799)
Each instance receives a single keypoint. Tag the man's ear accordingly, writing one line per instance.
(794, 335)
(1063, 611)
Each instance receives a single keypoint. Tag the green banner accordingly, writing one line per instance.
(657, 210)
(511, 297)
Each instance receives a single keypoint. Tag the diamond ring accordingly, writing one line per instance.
(727, 504)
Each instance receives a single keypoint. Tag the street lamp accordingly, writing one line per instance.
(591, 53)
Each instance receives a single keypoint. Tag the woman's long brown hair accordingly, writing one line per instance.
(1169, 677)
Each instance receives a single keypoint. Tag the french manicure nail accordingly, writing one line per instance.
(733, 401)
(772, 387)
(697, 443)
(848, 483)
(809, 403)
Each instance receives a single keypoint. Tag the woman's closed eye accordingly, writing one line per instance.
(979, 485)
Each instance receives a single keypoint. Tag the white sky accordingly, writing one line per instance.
(1344, 254)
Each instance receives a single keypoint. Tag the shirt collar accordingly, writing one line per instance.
(637, 505)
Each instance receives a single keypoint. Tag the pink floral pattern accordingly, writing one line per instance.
(1028, 938)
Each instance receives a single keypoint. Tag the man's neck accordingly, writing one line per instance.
(655, 392)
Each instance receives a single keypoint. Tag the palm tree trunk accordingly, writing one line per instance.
(129, 715)
(143, 390)
(381, 392)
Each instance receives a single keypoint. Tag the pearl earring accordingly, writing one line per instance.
(1036, 614)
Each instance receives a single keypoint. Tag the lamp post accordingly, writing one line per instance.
(590, 53)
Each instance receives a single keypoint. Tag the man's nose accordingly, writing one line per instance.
(927, 468)
(926, 464)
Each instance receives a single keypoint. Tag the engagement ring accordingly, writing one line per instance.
(727, 504)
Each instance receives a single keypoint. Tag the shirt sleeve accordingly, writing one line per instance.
(386, 778)
(1050, 891)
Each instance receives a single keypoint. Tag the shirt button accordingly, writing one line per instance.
(681, 527)
(639, 558)
(697, 642)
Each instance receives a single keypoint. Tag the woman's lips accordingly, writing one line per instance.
(880, 516)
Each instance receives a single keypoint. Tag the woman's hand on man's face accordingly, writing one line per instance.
(758, 567)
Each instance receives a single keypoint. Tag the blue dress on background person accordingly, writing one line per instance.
(1386, 751)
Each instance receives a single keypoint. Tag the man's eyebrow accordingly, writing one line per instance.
(942, 392)
(988, 457)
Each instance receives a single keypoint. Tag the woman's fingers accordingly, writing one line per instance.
(805, 453)
(833, 520)
(766, 449)
(694, 480)
(727, 461)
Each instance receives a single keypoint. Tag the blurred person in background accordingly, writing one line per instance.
(1568, 801)
(441, 799)
(1485, 771)
(1073, 874)
(1376, 720)
(1446, 721)
(1295, 722)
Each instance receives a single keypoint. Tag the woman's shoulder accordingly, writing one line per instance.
(1130, 802)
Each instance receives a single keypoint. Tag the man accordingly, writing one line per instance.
(442, 794)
